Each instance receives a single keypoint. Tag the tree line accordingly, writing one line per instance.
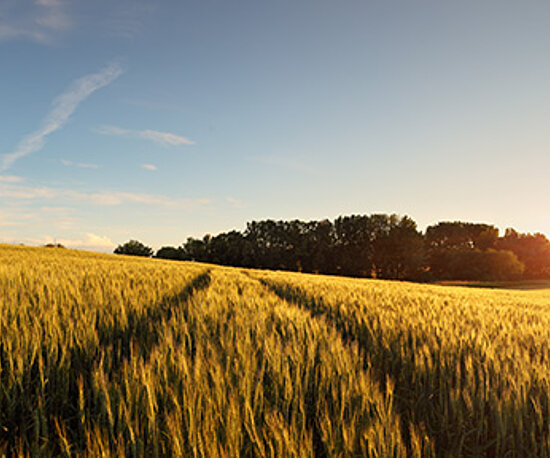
(373, 246)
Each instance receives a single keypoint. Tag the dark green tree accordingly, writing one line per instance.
(399, 253)
(134, 248)
(196, 249)
(489, 265)
(170, 252)
(533, 250)
(444, 240)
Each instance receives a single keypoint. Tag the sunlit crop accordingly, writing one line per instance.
(112, 355)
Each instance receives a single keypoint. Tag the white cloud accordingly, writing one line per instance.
(81, 165)
(164, 138)
(54, 21)
(110, 198)
(39, 23)
(150, 167)
(9, 220)
(10, 179)
(49, 3)
(235, 202)
(58, 217)
(26, 192)
(63, 107)
(102, 198)
(88, 241)
(8, 32)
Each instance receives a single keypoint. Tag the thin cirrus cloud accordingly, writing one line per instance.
(150, 167)
(164, 138)
(24, 216)
(15, 191)
(63, 107)
(38, 23)
(10, 179)
(237, 203)
(80, 165)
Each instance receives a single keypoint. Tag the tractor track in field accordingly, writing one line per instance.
(299, 300)
(420, 411)
(116, 340)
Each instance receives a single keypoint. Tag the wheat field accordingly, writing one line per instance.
(105, 355)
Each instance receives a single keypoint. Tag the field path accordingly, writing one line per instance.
(59, 400)
(464, 409)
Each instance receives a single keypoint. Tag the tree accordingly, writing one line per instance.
(134, 248)
(355, 240)
(489, 265)
(196, 249)
(446, 239)
(353, 245)
(227, 248)
(399, 253)
(461, 235)
(169, 252)
(533, 250)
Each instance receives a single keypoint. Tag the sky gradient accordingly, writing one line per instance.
(164, 120)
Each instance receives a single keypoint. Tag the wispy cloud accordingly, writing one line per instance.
(110, 198)
(25, 216)
(26, 192)
(39, 23)
(150, 167)
(63, 107)
(14, 219)
(81, 165)
(50, 3)
(10, 179)
(234, 202)
(164, 138)
(8, 32)
(87, 241)
(14, 191)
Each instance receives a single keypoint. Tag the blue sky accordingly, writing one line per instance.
(168, 119)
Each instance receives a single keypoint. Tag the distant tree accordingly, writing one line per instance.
(379, 245)
(228, 248)
(489, 265)
(169, 252)
(354, 242)
(533, 250)
(134, 248)
(399, 253)
(269, 241)
(353, 245)
(505, 265)
(196, 249)
(321, 252)
(460, 235)
(54, 245)
(444, 240)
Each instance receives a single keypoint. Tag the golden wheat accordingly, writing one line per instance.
(116, 356)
